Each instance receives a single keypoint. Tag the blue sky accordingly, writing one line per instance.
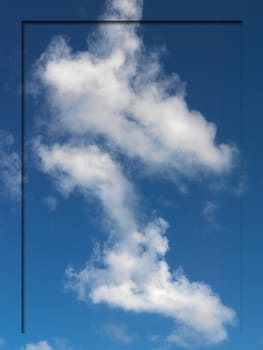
(68, 214)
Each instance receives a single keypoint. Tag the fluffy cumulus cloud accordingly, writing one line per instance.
(117, 92)
(10, 167)
(131, 271)
(88, 169)
(123, 9)
(113, 102)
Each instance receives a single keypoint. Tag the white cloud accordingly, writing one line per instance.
(117, 332)
(51, 202)
(123, 9)
(59, 344)
(87, 169)
(131, 272)
(116, 80)
(42, 345)
(141, 282)
(115, 92)
(10, 167)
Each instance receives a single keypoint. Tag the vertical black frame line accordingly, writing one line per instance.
(242, 179)
(22, 238)
(23, 23)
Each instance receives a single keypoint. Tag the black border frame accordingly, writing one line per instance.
(23, 24)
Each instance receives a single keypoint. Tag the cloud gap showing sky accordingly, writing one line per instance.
(116, 91)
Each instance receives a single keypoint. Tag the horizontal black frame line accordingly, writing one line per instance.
(131, 21)
(23, 24)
